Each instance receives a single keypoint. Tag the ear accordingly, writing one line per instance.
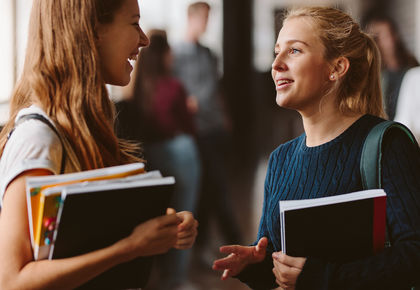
(100, 30)
(339, 68)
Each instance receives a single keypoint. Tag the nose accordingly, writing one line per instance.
(143, 39)
(278, 63)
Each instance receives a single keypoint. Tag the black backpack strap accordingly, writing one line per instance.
(370, 161)
(41, 118)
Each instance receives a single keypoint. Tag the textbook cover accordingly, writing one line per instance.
(43, 208)
(90, 210)
(95, 216)
(336, 228)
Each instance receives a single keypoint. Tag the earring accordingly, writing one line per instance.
(332, 77)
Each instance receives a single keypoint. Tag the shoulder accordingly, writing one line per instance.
(32, 145)
(397, 140)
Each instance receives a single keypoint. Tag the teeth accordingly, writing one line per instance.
(281, 82)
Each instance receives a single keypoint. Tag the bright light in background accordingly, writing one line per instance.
(171, 15)
(6, 49)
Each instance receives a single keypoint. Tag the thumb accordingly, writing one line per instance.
(262, 245)
(170, 210)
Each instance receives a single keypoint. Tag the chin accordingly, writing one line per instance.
(119, 82)
(284, 103)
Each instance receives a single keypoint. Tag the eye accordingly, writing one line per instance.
(136, 25)
(294, 51)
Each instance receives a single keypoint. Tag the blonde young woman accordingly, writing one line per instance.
(75, 47)
(327, 69)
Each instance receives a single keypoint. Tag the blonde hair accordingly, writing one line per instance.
(62, 74)
(359, 91)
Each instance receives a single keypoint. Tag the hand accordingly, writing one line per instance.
(187, 229)
(239, 257)
(155, 236)
(192, 104)
(287, 269)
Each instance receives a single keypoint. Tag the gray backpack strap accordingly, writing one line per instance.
(44, 120)
(370, 161)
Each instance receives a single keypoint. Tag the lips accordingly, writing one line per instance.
(132, 58)
(282, 83)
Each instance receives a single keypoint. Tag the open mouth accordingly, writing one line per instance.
(283, 83)
(132, 59)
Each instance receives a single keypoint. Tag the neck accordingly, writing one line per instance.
(325, 126)
(191, 35)
(390, 61)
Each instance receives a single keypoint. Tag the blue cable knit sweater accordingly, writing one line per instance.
(296, 171)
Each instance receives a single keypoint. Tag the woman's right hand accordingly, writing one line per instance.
(239, 257)
(153, 237)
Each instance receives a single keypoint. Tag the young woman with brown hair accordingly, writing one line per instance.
(75, 47)
(327, 69)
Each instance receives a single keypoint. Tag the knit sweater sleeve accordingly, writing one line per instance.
(396, 267)
(259, 276)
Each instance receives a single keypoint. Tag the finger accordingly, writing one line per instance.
(296, 262)
(187, 219)
(186, 240)
(285, 274)
(170, 210)
(226, 274)
(224, 263)
(183, 246)
(186, 236)
(233, 249)
(169, 220)
(262, 244)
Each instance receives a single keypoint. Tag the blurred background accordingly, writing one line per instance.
(241, 33)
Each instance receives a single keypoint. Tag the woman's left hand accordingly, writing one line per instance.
(187, 230)
(287, 269)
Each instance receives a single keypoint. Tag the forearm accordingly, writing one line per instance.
(66, 273)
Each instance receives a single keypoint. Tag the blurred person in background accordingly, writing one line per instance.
(196, 67)
(396, 58)
(157, 115)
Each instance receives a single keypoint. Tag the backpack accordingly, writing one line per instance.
(44, 120)
(370, 161)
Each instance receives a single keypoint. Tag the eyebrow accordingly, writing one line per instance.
(135, 16)
(291, 41)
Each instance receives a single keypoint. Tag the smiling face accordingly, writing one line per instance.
(300, 71)
(120, 41)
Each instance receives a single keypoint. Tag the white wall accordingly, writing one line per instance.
(417, 31)
(6, 49)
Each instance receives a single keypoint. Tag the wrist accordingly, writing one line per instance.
(126, 250)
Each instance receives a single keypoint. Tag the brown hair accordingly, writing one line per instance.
(359, 90)
(150, 67)
(197, 6)
(62, 74)
(404, 57)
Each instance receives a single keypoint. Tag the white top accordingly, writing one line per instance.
(33, 145)
(408, 106)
